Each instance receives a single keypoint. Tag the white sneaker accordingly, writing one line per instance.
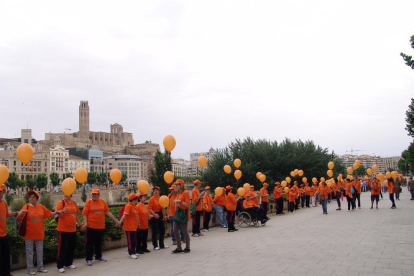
(133, 256)
(156, 248)
(200, 234)
(205, 230)
(71, 266)
(61, 270)
(32, 272)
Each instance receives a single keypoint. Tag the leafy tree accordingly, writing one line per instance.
(102, 178)
(13, 181)
(9, 198)
(189, 178)
(54, 179)
(410, 157)
(162, 163)
(41, 181)
(83, 196)
(67, 175)
(21, 183)
(361, 170)
(30, 183)
(46, 200)
(408, 59)
(92, 177)
(410, 119)
(124, 177)
(17, 205)
(403, 163)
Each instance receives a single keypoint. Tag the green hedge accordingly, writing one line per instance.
(50, 243)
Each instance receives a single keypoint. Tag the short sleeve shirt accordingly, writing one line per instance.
(4, 213)
(95, 210)
(67, 223)
(35, 227)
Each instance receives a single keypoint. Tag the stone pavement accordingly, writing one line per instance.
(362, 242)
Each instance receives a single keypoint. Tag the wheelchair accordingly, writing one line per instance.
(247, 217)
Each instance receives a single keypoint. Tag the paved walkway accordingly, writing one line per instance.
(363, 242)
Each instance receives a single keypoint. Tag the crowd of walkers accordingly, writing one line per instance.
(135, 216)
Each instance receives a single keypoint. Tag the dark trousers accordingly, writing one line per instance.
(142, 237)
(297, 204)
(132, 241)
(338, 200)
(412, 193)
(302, 202)
(94, 238)
(292, 206)
(196, 222)
(4, 256)
(158, 226)
(358, 197)
(350, 202)
(279, 205)
(260, 213)
(230, 220)
(307, 199)
(381, 194)
(265, 207)
(392, 200)
(66, 248)
(206, 219)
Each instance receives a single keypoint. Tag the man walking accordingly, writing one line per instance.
(411, 187)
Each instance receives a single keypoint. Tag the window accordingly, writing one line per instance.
(22, 177)
(45, 164)
(15, 163)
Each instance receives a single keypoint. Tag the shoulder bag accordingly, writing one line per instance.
(21, 227)
(180, 215)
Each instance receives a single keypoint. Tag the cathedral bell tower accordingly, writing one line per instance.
(84, 120)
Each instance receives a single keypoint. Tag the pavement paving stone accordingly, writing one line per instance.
(389, 271)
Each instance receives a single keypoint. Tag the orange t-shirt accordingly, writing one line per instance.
(307, 190)
(263, 191)
(277, 193)
(302, 191)
(154, 204)
(390, 187)
(296, 190)
(95, 210)
(292, 195)
(358, 186)
(207, 199)
(172, 206)
(221, 200)
(185, 197)
(325, 190)
(143, 216)
(67, 223)
(131, 220)
(256, 199)
(313, 190)
(230, 199)
(35, 227)
(348, 188)
(248, 203)
(377, 186)
(4, 213)
(195, 194)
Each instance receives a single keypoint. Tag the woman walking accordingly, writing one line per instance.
(337, 191)
(391, 191)
(323, 191)
(181, 216)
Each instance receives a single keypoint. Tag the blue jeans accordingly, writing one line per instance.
(172, 230)
(397, 195)
(324, 205)
(220, 214)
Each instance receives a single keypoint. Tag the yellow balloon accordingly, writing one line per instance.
(258, 175)
(394, 174)
(241, 191)
(292, 174)
(340, 176)
(355, 166)
(202, 161)
(164, 201)
(227, 169)
(314, 180)
(329, 173)
(143, 186)
(218, 191)
(388, 174)
(381, 177)
(322, 179)
(304, 180)
(358, 162)
(68, 186)
(25, 153)
(168, 177)
(115, 176)
(369, 171)
(246, 187)
(283, 184)
(375, 168)
(296, 171)
(320, 184)
(81, 175)
(300, 173)
(169, 142)
(4, 174)
(331, 165)
(349, 170)
(366, 178)
(386, 183)
(237, 163)
(288, 180)
(329, 184)
(262, 178)
(286, 190)
(237, 174)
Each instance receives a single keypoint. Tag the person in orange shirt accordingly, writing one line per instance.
(67, 232)
(307, 190)
(302, 196)
(375, 191)
(277, 196)
(391, 192)
(323, 191)
(4, 241)
(171, 210)
(34, 213)
(265, 198)
(94, 213)
(357, 186)
(196, 198)
(219, 205)
(183, 202)
(297, 194)
(337, 191)
(157, 220)
(131, 224)
(250, 206)
(231, 206)
(291, 194)
(142, 231)
(349, 197)
(313, 194)
(207, 207)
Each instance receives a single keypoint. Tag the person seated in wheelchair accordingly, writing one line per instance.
(253, 209)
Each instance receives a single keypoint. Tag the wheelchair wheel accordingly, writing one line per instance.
(244, 219)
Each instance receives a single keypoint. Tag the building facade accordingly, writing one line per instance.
(181, 167)
(195, 168)
(76, 162)
(383, 163)
(133, 166)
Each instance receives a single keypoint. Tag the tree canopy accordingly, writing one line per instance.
(162, 163)
(408, 59)
(410, 119)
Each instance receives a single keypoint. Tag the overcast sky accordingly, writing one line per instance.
(208, 72)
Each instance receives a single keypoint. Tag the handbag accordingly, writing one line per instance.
(193, 209)
(338, 194)
(352, 190)
(321, 197)
(21, 227)
(180, 215)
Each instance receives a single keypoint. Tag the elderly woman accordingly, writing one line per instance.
(157, 222)
(34, 213)
(183, 203)
(130, 219)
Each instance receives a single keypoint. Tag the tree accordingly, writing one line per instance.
(30, 183)
(102, 178)
(361, 170)
(46, 200)
(410, 157)
(9, 198)
(41, 181)
(403, 163)
(21, 183)
(162, 163)
(13, 181)
(408, 59)
(54, 179)
(67, 175)
(92, 177)
(83, 196)
(410, 119)
(124, 177)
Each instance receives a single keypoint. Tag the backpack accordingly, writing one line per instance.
(121, 211)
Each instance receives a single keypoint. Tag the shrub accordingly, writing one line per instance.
(17, 205)
(46, 200)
